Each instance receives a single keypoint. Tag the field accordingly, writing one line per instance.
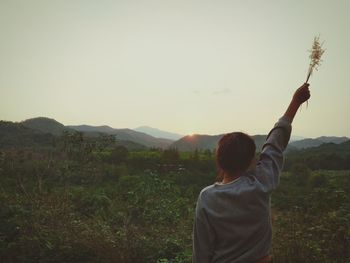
(78, 202)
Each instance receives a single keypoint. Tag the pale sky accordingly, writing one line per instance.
(186, 66)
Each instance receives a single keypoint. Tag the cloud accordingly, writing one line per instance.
(221, 91)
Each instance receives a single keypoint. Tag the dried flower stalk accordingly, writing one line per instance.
(315, 56)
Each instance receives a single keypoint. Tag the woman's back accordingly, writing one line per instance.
(239, 216)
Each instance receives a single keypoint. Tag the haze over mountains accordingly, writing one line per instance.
(159, 133)
(139, 138)
(125, 135)
(307, 143)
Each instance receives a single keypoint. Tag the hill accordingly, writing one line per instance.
(159, 133)
(329, 149)
(294, 138)
(17, 135)
(142, 138)
(93, 129)
(136, 139)
(333, 139)
(133, 139)
(132, 146)
(307, 143)
(45, 125)
(328, 156)
(125, 135)
(196, 141)
(204, 142)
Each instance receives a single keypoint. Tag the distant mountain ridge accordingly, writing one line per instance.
(35, 128)
(14, 134)
(92, 129)
(203, 142)
(129, 137)
(307, 143)
(45, 125)
(331, 148)
(126, 135)
(197, 141)
(294, 138)
(159, 133)
(208, 142)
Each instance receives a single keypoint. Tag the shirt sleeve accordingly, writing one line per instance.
(203, 237)
(271, 159)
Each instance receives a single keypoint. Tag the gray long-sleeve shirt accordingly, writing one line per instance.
(232, 222)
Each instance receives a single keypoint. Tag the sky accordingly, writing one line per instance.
(206, 67)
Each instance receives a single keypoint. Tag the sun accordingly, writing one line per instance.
(191, 135)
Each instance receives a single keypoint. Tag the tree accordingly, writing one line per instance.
(300, 173)
(171, 156)
(119, 154)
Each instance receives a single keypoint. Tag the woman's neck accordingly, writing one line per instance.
(230, 177)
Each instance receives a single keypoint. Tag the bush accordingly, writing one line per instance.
(317, 180)
(300, 173)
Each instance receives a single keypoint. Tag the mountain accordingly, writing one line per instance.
(142, 138)
(204, 142)
(295, 138)
(136, 139)
(329, 148)
(132, 146)
(45, 125)
(327, 156)
(14, 134)
(125, 135)
(197, 141)
(158, 133)
(130, 137)
(333, 139)
(93, 129)
(307, 143)
(17, 135)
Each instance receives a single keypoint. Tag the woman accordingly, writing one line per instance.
(232, 222)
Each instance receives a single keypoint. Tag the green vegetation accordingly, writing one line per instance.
(312, 222)
(78, 199)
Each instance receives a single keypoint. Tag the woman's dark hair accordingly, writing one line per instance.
(235, 152)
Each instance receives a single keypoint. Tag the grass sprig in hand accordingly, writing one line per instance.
(316, 53)
(315, 56)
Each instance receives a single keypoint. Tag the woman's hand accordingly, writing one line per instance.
(302, 94)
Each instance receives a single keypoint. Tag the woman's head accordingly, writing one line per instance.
(235, 152)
